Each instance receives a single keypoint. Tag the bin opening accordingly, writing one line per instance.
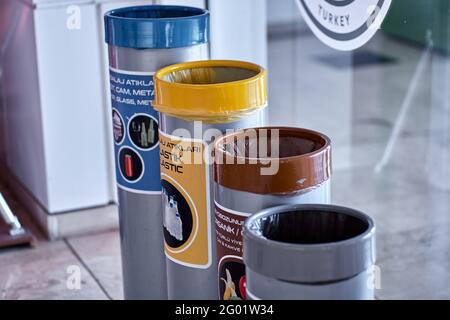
(311, 227)
(209, 75)
(215, 91)
(158, 12)
(290, 143)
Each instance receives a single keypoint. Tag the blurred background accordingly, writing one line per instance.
(386, 107)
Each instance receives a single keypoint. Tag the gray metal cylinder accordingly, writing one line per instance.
(134, 56)
(309, 252)
(185, 281)
(236, 200)
(198, 103)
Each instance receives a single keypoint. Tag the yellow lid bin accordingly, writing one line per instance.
(214, 91)
(198, 101)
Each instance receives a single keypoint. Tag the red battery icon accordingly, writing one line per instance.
(128, 166)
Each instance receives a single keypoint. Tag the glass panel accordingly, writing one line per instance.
(386, 107)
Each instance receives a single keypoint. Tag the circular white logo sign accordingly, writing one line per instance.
(344, 24)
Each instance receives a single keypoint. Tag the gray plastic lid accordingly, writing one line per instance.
(309, 243)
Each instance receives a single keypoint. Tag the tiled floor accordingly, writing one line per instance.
(408, 193)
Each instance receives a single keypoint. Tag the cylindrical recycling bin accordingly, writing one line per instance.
(142, 40)
(309, 252)
(198, 102)
(257, 169)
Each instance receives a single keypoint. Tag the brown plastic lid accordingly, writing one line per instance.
(242, 162)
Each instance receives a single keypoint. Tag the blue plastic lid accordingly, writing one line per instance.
(156, 26)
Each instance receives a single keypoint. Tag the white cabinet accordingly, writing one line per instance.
(55, 125)
(22, 128)
(73, 122)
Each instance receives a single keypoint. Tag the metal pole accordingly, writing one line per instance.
(10, 218)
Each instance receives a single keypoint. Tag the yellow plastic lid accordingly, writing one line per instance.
(213, 90)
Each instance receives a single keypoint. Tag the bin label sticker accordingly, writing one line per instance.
(231, 268)
(185, 180)
(135, 131)
(344, 24)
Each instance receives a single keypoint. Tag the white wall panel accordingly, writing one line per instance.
(239, 30)
(70, 80)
